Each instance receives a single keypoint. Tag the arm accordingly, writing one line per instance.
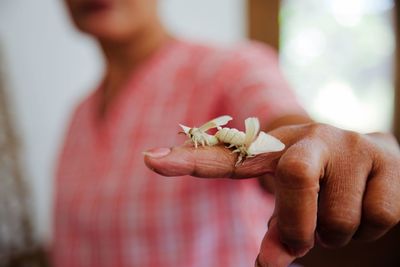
(330, 183)
(380, 253)
(334, 183)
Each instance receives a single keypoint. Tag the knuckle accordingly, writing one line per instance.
(296, 239)
(296, 172)
(381, 217)
(337, 231)
(356, 140)
(353, 137)
(319, 129)
(358, 148)
(339, 225)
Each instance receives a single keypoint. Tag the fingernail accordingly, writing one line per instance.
(157, 152)
(258, 264)
(297, 251)
(269, 223)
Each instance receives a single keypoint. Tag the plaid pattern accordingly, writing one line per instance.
(112, 211)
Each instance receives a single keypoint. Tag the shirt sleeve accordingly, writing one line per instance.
(252, 84)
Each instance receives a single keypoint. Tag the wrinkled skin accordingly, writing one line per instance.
(331, 185)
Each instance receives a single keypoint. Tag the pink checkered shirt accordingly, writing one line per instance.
(112, 211)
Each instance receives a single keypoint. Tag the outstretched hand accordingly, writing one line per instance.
(331, 185)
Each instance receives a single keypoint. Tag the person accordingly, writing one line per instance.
(111, 210)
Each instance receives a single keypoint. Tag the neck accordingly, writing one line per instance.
(123, 57)
(127, 54)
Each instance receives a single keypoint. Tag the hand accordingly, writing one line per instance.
(331, 185)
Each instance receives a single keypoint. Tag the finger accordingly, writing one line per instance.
(340, 201)
(297, 186)
(381, 209)
(272, 251)
(215, 161)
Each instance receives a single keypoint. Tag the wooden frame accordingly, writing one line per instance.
(263, 21)
(396, 124)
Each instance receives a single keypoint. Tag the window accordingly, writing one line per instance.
(338, 56)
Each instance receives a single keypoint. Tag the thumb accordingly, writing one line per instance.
(273, 253)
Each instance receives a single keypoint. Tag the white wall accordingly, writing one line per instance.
(50, 67)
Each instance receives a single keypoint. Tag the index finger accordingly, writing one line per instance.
(208, 162)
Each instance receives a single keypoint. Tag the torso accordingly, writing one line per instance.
(113, 211)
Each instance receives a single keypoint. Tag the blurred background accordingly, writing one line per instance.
(338, 55)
